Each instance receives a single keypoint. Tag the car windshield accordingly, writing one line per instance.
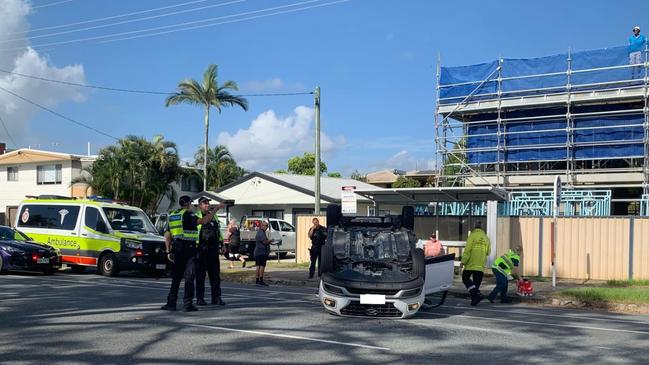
(128, 220)
(7, 233)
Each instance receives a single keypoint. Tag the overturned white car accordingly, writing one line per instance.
(370, 267)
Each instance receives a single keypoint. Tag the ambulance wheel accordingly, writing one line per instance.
(108, 265)
(77, 269)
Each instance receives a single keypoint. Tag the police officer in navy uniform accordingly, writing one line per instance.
(207, 260)
(181, 235)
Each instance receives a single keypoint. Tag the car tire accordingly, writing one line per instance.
(282, 255)
(418, 262)
(2, 270)
(333, 215)
(108, 265)
(78, 269)
(408, 217)
(326, 263)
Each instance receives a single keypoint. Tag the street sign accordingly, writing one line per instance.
(348, 200)
(553, 238)
(557, 192)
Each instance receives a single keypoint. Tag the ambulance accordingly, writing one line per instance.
(94, 232)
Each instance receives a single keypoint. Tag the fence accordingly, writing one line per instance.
(303, 242)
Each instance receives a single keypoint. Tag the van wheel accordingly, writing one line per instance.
(108, 265)
(326, 263)
(78, 269)
(408, 217)
(333, 215)
(418, 263)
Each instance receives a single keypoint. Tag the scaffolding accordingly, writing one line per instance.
(580, 115)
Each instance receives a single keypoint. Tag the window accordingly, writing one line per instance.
(49, 216)
(274, 225)
(12, 173)
(278, 214)
(286, 227)
(94, 220)
(191, 183)
(129, 220)
(49, 174)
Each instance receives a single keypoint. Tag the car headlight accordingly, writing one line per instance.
(10, 249)
(132, 244)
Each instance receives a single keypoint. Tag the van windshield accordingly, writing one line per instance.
(128, 220)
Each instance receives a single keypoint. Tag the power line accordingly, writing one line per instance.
(81, 124)
(51, 4)
(110, 17)
(107, 36)
(124, 21)
(134, 91)
(8, 134)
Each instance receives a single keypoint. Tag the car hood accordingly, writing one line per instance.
(141, 236)
(29, 246)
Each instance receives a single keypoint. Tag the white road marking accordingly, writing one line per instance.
(540, 323)
(292, 337)
(628, 321)
(606, 348)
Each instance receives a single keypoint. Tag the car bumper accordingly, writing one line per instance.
(27, 263)
(350, 305)
(146, 262)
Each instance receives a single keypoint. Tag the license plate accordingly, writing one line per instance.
(161, 267)
(372, 299)
(43, 260)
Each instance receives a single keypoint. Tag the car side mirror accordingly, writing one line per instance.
(101, 227)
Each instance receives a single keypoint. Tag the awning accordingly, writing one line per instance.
(433, 194)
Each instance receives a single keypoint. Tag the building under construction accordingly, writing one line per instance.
(518, 123)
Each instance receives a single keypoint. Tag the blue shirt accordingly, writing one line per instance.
(261, 249)
(636, 44)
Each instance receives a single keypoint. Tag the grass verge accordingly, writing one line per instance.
(627, 283)
(599, 296)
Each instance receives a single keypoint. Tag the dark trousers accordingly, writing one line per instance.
(183, 267)
(208, 262)
(501, 285)
(472, 280)
(314, 253)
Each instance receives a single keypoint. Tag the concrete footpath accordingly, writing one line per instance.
(544, 293)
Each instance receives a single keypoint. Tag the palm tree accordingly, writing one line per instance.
(208, 94)
(222, 169)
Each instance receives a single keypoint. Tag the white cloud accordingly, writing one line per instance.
(264, 85)
(271, 139)
(18, 57)
(405, 160)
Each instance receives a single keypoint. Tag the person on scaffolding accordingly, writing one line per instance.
(636, 47)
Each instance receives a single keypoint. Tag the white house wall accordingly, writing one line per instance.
(258, 191)
(12, 192)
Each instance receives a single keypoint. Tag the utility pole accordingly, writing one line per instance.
(317, 149)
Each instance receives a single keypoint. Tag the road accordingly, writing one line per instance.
(89, 319)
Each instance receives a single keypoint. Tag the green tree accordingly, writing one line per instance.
(304, 165)
(453, 164)
(334, 174)
(208, 94)
(406, 182)
(135, 170)
(222, 169)
(356, 175)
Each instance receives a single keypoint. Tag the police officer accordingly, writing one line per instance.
(209, 242)
(181, 234)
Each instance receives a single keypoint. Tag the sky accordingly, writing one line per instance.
(374, 60)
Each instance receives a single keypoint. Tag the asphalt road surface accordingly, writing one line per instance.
(89, 319)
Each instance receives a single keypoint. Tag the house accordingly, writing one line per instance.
(284, 196)
(385, 178)
(34, 172)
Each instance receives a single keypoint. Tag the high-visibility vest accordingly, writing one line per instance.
(507, 261)
(199, 214)
(176, 227)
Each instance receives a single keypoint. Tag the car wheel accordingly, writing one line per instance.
(326, 259)
(2, 270)
(282, 255)
(108, 265)
(418, 262)
(78, 269)
(408, 217)
(333, 215)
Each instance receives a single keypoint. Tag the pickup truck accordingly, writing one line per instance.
(280, 232)
(371, 267)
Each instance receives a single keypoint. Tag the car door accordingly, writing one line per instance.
(288, 236)
(439, 273)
